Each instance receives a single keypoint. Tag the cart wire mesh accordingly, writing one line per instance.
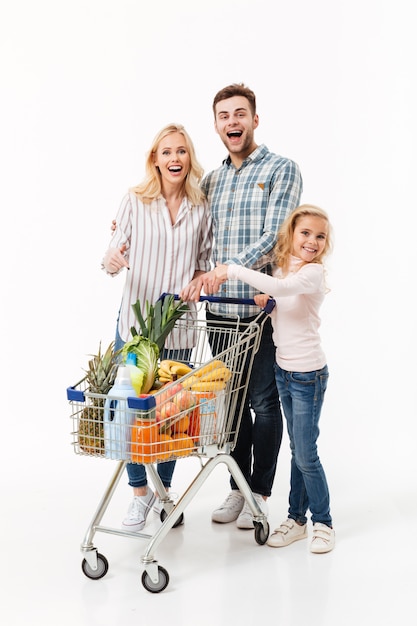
(199, 413)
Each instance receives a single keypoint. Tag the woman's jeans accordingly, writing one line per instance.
(135, 471)
(302, 395)
(259, 437)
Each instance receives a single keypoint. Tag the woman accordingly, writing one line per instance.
(163, 238)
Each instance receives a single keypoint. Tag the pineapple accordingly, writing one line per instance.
(100, 376)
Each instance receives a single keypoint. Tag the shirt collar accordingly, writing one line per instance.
(254, 156)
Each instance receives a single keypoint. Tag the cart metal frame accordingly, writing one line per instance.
(241, 349)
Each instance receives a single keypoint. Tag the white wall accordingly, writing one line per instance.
(84, 87)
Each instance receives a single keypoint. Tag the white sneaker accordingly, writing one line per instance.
(245, 519)
(323, 538)
(138, 512)
(288, 532)
(229, 510)
(159, 505)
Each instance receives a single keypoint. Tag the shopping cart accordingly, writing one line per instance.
(198, 414)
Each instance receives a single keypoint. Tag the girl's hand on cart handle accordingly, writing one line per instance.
(261, 300)
(114, 259)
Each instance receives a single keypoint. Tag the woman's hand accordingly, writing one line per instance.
(114, 259)
(192, 291)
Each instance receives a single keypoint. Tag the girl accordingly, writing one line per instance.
(163, 237)
(298, 285)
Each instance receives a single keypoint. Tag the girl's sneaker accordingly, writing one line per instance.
(288, 532)
(323, 538)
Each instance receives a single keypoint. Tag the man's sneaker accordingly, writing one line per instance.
(285, 534)
(230, 509)
(245, 519)
(323, 538)
(138, 512)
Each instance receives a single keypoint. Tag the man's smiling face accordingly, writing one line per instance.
(235, 124)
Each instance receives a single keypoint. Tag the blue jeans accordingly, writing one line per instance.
(302, 395)
(136, 472)
(259, 437)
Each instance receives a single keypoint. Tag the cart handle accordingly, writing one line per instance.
(270, 305)
(144, 402)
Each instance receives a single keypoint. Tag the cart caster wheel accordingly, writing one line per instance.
(102, 568)
(180, 520)
(160, 585)
(261, 535)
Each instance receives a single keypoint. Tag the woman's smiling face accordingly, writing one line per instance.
(173, 159)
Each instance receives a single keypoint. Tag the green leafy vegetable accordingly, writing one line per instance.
(147, 354)
(160, 318)
(148, 343)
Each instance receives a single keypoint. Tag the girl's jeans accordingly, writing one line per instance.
(135, 471)
(302, 396)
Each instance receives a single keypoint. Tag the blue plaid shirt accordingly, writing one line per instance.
(248, 206)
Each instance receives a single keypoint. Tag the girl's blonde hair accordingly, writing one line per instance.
(283, 248)
(151, 188)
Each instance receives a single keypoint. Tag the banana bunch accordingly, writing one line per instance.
(169, 371)
(211, 377)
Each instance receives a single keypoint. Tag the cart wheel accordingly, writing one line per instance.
(261, 535)
(102, 568)
(180, 520)
(160, 585)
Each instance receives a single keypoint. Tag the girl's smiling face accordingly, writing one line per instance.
(309, 239)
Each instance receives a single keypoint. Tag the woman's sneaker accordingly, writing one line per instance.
(288, 532)
(323, 538)
(230, 509)
(138, 511)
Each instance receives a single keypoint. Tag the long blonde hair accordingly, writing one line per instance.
(283, 248)
(151, 187)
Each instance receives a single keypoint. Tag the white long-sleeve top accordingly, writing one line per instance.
(295, 319)
(162, 256)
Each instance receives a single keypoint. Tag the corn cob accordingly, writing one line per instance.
(207, 386)
(212, 365)
(220, 373)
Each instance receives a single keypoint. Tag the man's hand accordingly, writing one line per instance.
(213, 279)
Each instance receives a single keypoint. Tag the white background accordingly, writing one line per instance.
(85, 85)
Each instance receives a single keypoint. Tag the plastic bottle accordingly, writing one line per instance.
(136, 376)
(118, 417)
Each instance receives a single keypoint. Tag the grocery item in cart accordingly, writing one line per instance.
(118, 417)
(99, 379)
(169, 431)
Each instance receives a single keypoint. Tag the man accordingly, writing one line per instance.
(249, 195)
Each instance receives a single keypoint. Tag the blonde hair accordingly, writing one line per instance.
(283, 248)
(151, 187)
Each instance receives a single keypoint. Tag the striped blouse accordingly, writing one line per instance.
(162, 256)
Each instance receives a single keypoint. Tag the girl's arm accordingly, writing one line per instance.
(308, 279)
